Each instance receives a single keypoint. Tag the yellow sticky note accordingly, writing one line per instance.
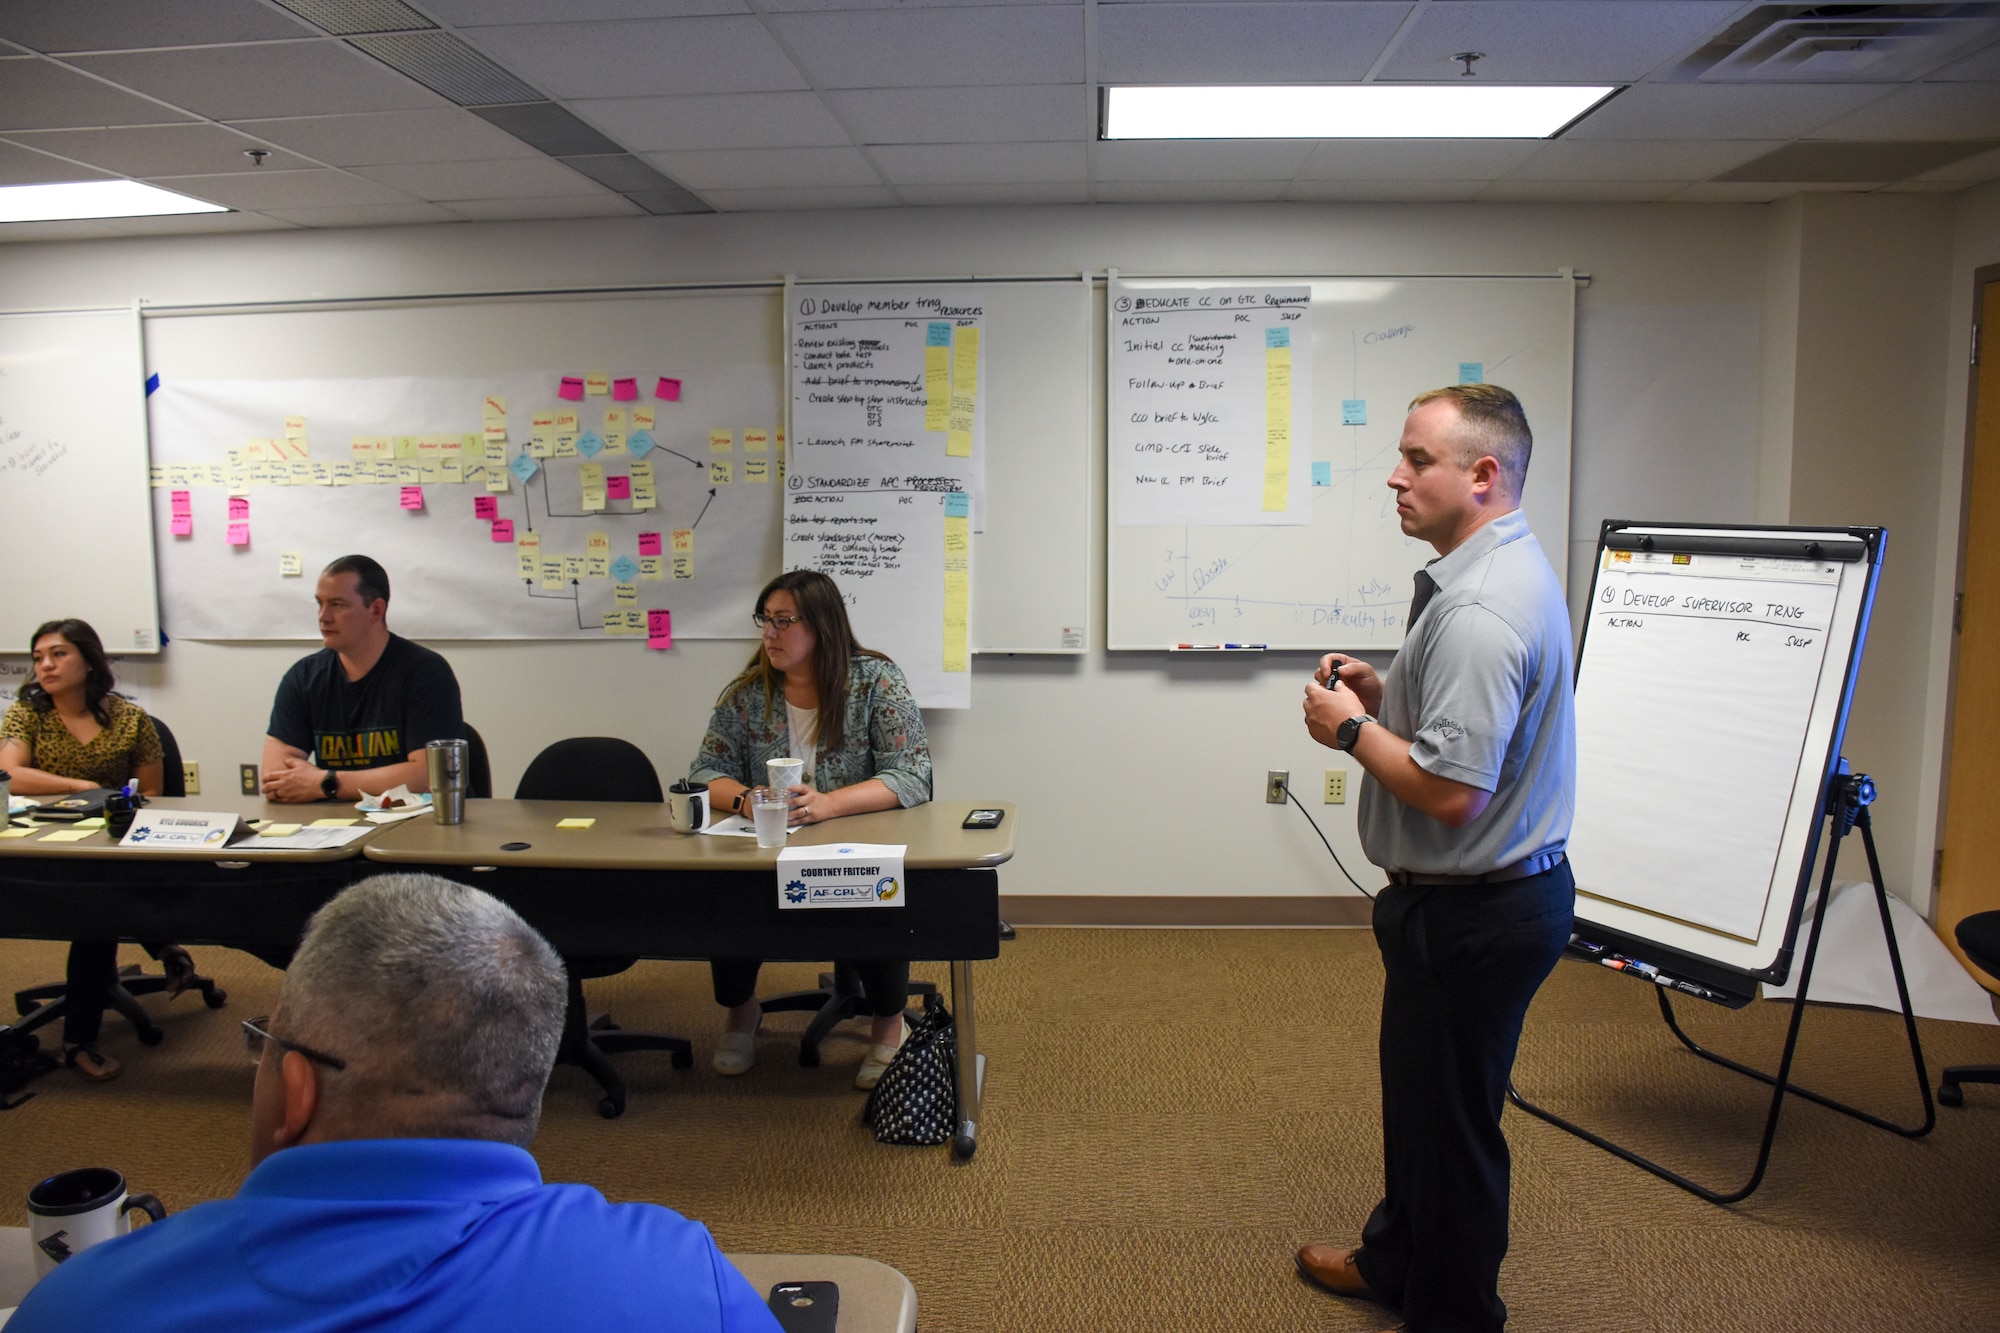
(683, 566)
(572, 566)
(778, 438)
(597, 382)
(291, 564)
(302, 472)
(719, 472)
(95, 821)
(566, 446)
(159, 475)
(643, 418)
(494, 408)
(333, 823)
(343, 474)
(68, 835)
(575, 823)
(683, 541)
(552, 574)
(937, 383)
(566, 422)
(15, 832)
(722, 441)
(451, 471)
(756, 469)
(597, 543)
(958, 443)
(642, 471)
(756, 441)
(257, 451)
(652, 566)
(405, 446)
(277, 830)
(644, 496)
(529, 544)
(614, 418)
(295, 427)
(1277, 428)
(625, 594)
(964, 393)
(597, 567)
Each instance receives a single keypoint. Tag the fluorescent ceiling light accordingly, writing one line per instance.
(1347, 111)
(94, 199)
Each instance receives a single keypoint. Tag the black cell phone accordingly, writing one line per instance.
(984, 819)
(806, 1307)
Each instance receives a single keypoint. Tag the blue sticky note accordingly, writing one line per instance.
(1322, 473)
(590, 444)
(624, 568)
(938, 334)
(1354, 411)
(641, 443)
(1471, 372)
(1277, 337)
(957, 504)
(524, 467)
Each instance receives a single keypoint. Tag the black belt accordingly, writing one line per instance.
(1534, 865)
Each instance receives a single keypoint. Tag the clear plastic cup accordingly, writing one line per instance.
(769, 811)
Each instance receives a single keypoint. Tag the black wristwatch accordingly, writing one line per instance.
(1350, 731)
(329, 787)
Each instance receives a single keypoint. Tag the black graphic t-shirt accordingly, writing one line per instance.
(408, 699)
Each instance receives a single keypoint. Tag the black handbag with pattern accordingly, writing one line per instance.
(916, 1100)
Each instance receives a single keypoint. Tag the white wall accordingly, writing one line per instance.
(1141, 773)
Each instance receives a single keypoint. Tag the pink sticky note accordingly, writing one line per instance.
(503, 529)
(239, 534)
(239, 509)
(668, 389)
(413, 497)
(183, 503)
(659, 629)
(618, 488)
(572, 388)
(486, 506)
(625, 390)
(649, 543)
(183, 525)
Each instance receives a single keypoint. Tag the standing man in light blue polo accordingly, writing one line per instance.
(1469, 750)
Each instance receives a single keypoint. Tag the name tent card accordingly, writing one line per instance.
(848, 874)
(184, 828)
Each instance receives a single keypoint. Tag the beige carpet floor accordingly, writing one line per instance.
(1169, 1113)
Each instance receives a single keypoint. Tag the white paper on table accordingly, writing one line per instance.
(734, 826)
(314, 839)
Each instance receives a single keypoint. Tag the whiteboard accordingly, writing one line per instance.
(1342, 579)
(73, 476)
(1711, 698)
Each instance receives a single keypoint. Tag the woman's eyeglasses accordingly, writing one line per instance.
(779, 623)
(255, 1034)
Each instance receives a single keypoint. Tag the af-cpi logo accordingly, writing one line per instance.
(795, 891)
(886, 888)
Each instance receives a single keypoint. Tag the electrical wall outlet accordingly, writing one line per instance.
(248, 775)
(1336, 786)
(191, 777)
(1276, 781)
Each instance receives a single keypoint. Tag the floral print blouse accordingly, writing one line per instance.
(884, 736)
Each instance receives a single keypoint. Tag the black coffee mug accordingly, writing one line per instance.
(119, 810)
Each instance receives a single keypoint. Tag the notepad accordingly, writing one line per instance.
(575, 823)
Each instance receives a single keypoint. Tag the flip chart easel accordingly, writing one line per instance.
(1792, 605)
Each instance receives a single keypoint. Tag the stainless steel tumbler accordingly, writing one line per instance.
(448, 761)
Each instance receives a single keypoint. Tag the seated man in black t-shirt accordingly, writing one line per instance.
(352, 720)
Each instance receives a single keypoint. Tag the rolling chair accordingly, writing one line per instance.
(598, 768)
(41, 1005)
(478, 769)
(1979, 936)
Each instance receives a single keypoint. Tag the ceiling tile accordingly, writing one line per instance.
(130, 25)
(1980, 167)
(24, 166)
(1849, 160)
(771, 201)
(1021, 114)
(1013, 192)
(161, 150)
(1382, 191)
(821, 6)
(1189, 192)
(932, 48)
(767, 168)
(1721, 110)
(1980, 66)
(1242, 43)
(1416, 159)
(508, 178)
(258, 190)
(489, 13)
(1200, 160)
(1579, 192)
(1637, 160)
(274, 79)
(642, 59)
(605, 205)
(1755, 192)
(39, 95)
(724, 120)
(196, 224)
(1562, 41)
(1924, 111)
(364, 215)
(968, 163)
(390, 136)
(1925, 187)
(19, 232)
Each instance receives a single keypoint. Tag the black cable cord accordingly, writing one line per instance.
(1329, 846)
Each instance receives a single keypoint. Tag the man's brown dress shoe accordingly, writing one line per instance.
(1333, 1268)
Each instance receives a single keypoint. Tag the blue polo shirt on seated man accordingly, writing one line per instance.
(409, 1234)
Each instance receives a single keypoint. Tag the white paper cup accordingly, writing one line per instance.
(785, 774)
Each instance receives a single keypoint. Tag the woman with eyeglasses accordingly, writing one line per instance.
(813, 693)
(70, 733)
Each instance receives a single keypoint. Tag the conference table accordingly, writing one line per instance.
(625, 885)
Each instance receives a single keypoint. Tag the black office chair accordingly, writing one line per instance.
(1979, 936)
(41, 1005)
(479, 770)
(599, 768)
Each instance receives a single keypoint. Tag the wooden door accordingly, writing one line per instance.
(1970, 876)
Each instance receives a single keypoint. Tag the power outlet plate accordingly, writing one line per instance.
(1276, 781)
(247, 776)
(1336, 786)
(191, 778)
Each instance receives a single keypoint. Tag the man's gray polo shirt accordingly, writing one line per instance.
(1482, 689)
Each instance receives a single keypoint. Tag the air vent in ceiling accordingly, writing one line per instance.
(345, 18)
(446, 65)
(1873, 43)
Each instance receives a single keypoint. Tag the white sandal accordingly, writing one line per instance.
(735, 1053)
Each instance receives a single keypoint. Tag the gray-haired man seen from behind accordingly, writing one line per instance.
(398, 1086)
